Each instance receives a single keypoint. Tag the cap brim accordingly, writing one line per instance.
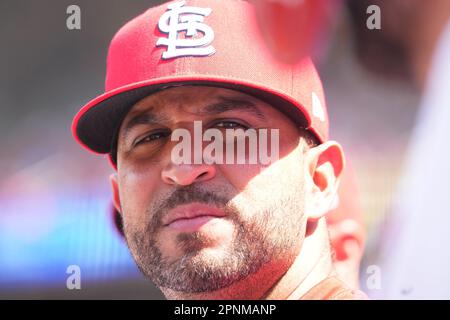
(96, 124)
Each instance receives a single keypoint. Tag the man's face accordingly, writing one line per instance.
(200, 227)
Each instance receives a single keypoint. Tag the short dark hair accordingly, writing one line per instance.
(310, 138)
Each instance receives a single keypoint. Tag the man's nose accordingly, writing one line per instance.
(186, 174)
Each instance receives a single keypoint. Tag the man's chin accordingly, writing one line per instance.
(204, 269)
(202, 252)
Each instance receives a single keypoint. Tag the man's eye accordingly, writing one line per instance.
(152, 137)
(230, 125)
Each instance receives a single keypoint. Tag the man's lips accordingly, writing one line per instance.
(191, 213)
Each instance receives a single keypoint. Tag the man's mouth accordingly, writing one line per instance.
(190, 217)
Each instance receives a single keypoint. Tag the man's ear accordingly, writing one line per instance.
(115, 192)
(325, 164)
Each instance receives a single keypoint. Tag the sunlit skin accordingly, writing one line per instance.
(146, 176)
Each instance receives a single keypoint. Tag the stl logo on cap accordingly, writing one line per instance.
(179, 18)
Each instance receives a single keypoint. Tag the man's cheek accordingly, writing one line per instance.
(239, 175)
(134, 175)
(136, 193)
(135, 214)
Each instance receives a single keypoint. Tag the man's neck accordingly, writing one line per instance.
(278, 280)
(312, 265)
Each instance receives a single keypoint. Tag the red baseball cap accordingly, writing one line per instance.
(198, 42)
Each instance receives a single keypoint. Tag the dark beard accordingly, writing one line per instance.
(191, 273)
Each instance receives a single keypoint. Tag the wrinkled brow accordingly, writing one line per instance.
(145, 117)
(232, 104)
(149, 117)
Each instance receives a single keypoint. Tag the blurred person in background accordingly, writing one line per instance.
(415, 45)
(415, 258)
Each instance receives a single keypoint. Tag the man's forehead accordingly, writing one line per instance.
(172, 99)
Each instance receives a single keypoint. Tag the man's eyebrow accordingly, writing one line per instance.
(232, 104)
(225, 104)
(146, 117)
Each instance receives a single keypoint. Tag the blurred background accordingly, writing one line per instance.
(55, 197)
